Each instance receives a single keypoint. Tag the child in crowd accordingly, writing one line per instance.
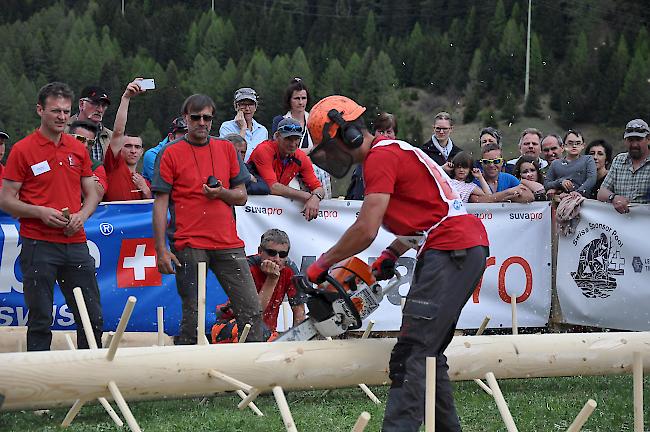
(462, 172)
(528, 172)
(574, 172)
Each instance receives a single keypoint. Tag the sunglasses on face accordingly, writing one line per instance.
(205, 117)
(496, 161)
(290, 128)
(84, 140)
(273, 252)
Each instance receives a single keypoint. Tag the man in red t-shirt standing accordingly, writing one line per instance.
(199, 178)
(47, 172)
(123, 155)
(409, 194)
(278, 161)
(273, 275)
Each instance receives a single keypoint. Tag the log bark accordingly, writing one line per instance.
(58, 378)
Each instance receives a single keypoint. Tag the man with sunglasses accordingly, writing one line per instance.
(85, 132)
(273, 273)
(199, 179)
(93, 104)
(278, 161)
(628, 179)
(245, 102)
(504, 187)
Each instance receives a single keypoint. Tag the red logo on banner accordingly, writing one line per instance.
(136, 266)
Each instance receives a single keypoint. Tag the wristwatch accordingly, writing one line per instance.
(319, 196)
(610, 198)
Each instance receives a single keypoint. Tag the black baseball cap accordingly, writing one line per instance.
(178, 124)
(4, 135)
(96, 94)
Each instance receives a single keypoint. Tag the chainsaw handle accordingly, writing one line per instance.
(348, 301)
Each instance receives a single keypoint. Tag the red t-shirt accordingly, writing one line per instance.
(197, 221)
(285, 286)
(51, 176)
(269, 164)
(415, 204)
(100, 172)
(120, 179)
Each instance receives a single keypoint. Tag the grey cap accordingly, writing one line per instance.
(289, 127)
(636, 128)
(4, 135)
(245, 93)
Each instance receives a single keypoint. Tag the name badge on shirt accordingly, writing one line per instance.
(40, 168)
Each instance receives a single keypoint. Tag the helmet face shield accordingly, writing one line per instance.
(330, 157)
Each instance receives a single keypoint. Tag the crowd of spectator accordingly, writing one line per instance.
(55, 177)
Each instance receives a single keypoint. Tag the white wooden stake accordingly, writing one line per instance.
(160, 314)
(513, 304)
(364, 387)
(501, 402)
(430, 396)
(230, 380)
(251, 405)
(582, 416)
(72, 413)
(366, 333)
(361, 422)
(111, 412)
(285, 315)
(402, 302)
(479, 332)
(249, 399)
(68, 340)
(244, 333)
(285, 412)
(109, 338)
(483, 386)
(637, 385)
(123, 406)
(200, 328)
(121, 326)
(85, 319)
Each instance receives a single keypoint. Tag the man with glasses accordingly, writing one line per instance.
(278, 161)
(200, 178)
(93, 104)
(628, 179)
(176, 131)
(85, 132)
(504, 187)
(47, 174)
(440, 147)
(530, 143)
(244, 124)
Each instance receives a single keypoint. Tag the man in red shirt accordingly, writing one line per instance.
(85, 131)
(123, 155)
(273, 275)
(409, 194)
(278, 161)
(199, 178)
(48, 171)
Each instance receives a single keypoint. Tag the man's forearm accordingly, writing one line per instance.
(160, 221)
(17, 208)
(289, 192)
(91, 199)
(236, 196)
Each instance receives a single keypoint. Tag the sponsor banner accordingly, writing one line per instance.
(519, 262)
(603, 268)
(120, 239)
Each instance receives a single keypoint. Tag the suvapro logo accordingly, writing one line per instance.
(527, 216)
(270, 211)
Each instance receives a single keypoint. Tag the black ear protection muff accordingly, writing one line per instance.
(350, 134)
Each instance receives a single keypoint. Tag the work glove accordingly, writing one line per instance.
(317, 271)
(384, 267)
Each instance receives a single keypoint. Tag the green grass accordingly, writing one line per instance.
(547, 404)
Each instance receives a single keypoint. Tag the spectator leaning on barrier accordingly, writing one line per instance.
(452, 250)
(124, 182)
(85, 132)
(176, 131)
(255, 184)
(462, 173)
(47, 173)
(199, 178)
(628, 179)
(529, 144)
(601, 151)
(93, 104)
(527, 171)
(574, 172)
(244, 124)
(278, 161)
(440, 147)
(273, 273)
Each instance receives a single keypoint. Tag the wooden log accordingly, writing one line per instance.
(121, 326)
(501, 403)
(200, 328)
(285, 412)
(361, 422)
(582, 416)
(637, 385)
(430, 396)
(160, 315)
(57, 378)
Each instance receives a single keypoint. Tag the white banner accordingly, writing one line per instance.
(519, 262)
(603, 269)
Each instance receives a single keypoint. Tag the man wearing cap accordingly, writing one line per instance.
(408, 194)
(278, 161)
(628, 179)
(244, 124)
(92, 106)
(176, 131)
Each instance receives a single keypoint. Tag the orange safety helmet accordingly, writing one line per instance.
(319, 118)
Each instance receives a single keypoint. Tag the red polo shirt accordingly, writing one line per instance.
(197, 221)
(120, 179)
(273, 169)
(51, 177)
(100, 172)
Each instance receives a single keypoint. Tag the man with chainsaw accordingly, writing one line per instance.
(409, 194)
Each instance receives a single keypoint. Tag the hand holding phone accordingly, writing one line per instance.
(147, 84)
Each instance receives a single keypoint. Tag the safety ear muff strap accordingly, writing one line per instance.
(350, 134)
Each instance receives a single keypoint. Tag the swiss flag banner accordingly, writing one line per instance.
(136, 265)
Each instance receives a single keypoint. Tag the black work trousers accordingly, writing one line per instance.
(44, 263)
(231, 269)
(442, 283)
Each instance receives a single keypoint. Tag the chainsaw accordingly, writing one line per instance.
(349, 294)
